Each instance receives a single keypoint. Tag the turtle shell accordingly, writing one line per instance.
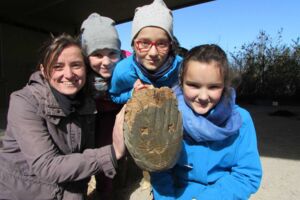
(153, 128)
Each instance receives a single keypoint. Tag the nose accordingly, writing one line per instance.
(106, 61)
(153, 51)
(68, 72)
(203, 95)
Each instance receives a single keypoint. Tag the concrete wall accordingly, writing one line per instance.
(18, 58)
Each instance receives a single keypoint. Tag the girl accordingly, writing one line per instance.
(101, 43)
(47, 148)
(219, 159)
(154, 61)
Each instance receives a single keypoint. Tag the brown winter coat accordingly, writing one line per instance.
(47, 155)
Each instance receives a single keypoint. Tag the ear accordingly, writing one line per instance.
(42, 70)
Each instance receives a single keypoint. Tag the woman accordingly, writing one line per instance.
(46, 148)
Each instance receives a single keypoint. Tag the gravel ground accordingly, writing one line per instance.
(279, 145)
(280, 181)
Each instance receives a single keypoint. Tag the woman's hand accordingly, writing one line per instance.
(118, 135)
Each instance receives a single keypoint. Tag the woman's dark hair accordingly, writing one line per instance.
(208, 53)
(51, 50)
(177, 48)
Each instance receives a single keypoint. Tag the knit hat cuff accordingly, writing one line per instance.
(156, 14)
(98, 32)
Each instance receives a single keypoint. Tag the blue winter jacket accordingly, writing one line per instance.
(127, 72)
(226, 169)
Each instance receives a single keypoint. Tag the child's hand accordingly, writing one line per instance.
(138, 85)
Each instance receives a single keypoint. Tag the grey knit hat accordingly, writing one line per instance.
(155, 14)
(99, 33)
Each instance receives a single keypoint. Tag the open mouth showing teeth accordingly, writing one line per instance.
(69, 83)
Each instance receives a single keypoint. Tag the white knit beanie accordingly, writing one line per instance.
(155, 14)
(99, 33)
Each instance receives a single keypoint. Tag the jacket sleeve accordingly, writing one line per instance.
(121, 85)
(121, 98)
(245, 176)
(42, 155)
(163, 185)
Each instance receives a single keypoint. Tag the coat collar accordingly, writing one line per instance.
(48, 105)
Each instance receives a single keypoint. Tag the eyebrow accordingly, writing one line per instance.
(190, 82)
(196, 83)
(77, 61)
(147, 39)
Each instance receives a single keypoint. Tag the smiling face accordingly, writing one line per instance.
(202, 85)
(155, 57)
(104, 61)
(68, 73)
